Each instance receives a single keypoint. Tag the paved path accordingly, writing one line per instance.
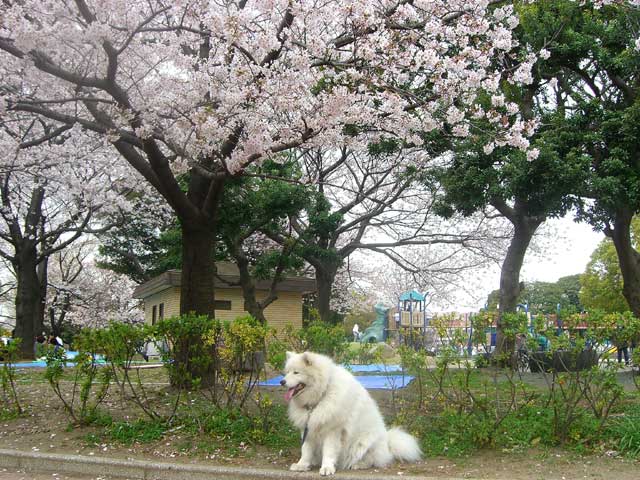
(8, 474)
(78, 467)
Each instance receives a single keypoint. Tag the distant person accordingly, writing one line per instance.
(622, 345)
(356, 332)
(40, 341)
(142, 348)
(623, 350)
(56, 342)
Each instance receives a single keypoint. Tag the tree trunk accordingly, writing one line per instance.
(28, 299)
(325, 277)
(42, 271)
(251, 304)
(56, 318)
(510, 286)
(628, 258)
(30, 296)
(198, 270)
(196, 294)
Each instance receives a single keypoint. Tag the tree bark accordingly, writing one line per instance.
(43, 279)
(251, 304)
(198, 270)
(56, 318)
(28, 299)
(628, 257)
(325, 276)
(197, 294)
(510, 287)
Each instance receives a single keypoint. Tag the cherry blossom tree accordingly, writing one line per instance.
(449, 272)
(7, 295)
(80, 293)
(375, 202)
(55, 183)
(209, 88)
(351, 290)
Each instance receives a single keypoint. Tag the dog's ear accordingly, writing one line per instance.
(290, 354)
(307, 359)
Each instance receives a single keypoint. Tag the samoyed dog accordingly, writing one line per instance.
(340, 423)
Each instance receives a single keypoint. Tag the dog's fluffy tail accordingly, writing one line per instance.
(403, 446)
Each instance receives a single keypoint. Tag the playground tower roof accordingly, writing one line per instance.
(412, 295)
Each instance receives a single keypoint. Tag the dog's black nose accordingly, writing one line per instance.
(283, 382)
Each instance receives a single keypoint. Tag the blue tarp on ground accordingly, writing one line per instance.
(36, 364)
(41, 363)
(376, 367)
(381, 382)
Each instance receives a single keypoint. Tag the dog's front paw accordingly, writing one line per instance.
(327, 470)
(299, 467)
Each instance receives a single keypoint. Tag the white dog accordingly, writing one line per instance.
(340, 423)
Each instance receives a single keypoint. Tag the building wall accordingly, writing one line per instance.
(169, 297)
(286, 310)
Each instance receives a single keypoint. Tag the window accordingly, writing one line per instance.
(161, 314)
(154, 314)
(222, 305)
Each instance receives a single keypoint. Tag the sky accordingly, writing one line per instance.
(567, 255)
(564, 248)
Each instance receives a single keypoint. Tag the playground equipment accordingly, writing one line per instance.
(411, 320)
(412, 307)
(377, 332)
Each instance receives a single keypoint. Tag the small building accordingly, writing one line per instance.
(161, 297)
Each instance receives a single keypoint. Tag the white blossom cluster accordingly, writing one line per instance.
(260, 75)
(82, 178)
(86, 295)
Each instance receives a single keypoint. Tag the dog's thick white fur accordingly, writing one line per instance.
(344, 427)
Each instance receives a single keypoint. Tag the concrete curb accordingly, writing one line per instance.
(145, 470)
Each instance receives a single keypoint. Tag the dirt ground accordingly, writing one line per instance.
(46, 429)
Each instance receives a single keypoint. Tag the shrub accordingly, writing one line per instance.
(480, 325)
(317, 337)
(242, 359)
(120, 343)
(572, 370)
(453, 340)
(223, 358)
(10, 402)
(191, 354)
(324, 338)
(574, 409)
(450, 433)
(89, 382)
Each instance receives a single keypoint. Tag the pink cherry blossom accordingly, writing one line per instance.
(225, 84)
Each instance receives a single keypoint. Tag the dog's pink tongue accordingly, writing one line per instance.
(289, 394)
